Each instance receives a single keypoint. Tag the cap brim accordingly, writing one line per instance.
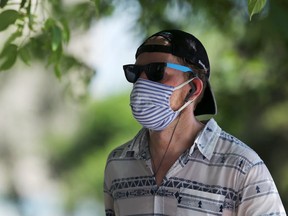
(208, 103)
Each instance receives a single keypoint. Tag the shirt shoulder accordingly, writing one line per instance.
(117, 152)
(230, 145)
(223, 149)
(128, 149)
(216, 144)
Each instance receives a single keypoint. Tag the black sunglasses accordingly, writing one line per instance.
(154, 71)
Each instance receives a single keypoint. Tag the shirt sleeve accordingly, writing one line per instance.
(108, 198)
(108, 202)
(258, 194)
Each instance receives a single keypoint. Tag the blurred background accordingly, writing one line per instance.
(65, 106)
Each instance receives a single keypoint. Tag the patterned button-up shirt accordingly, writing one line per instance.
(218, 175)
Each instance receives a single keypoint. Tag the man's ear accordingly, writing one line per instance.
(196, 89)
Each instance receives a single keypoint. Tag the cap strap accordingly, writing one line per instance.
(153, 48)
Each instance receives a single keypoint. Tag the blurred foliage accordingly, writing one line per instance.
(80, 160)
(249, 66)
(47, 24)
(41, 29)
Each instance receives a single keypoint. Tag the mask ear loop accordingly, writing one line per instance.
(183, 84)
(185, 105)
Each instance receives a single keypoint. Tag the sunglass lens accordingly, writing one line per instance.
(155, 71)
(131, 73)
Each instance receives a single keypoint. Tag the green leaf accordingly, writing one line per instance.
(23, 2)
(56, 38)
(7, 18)
(49, 23)
(9, 54)
(3, 3)
(13, 36)
(255, 6)
(30, 16)
(57, 34)
(65, 30)
(24, 55)
(57, 71)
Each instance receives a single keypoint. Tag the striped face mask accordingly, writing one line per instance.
(150, 104)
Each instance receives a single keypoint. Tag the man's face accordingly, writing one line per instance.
(172, 77)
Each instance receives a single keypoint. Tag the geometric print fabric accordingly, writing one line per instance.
(219, 175)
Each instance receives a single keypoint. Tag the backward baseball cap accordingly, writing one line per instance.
(185, 45)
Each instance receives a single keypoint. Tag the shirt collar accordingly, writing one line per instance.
(207, 139)
(140, 145)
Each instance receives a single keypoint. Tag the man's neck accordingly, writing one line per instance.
(167, 145)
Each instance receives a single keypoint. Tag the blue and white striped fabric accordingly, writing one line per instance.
(150, 104)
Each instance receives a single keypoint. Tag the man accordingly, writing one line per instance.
(177, 165)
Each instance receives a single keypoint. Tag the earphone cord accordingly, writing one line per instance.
(166, 150)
